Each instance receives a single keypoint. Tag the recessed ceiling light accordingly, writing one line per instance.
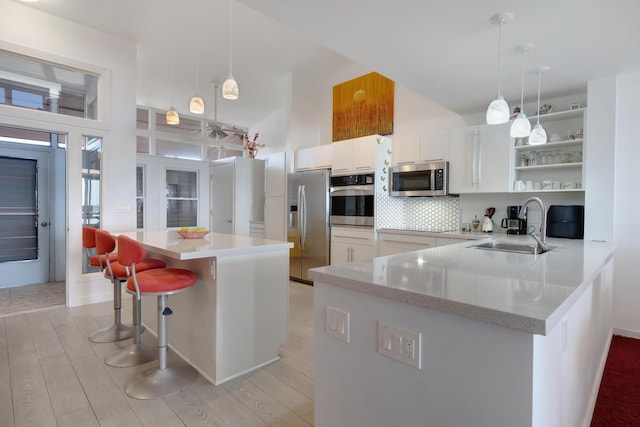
(29, 1)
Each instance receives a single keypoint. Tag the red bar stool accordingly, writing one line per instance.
(163, 380)
(88, 243)
(117, 273)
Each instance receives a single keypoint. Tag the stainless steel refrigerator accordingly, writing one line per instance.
(308, 222)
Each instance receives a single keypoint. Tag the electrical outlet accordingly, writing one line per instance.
(337, 323)
(564, 338)
(400, 344)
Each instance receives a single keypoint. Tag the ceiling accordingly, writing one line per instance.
(444, 50)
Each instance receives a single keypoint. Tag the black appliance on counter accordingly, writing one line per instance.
(565, 221)
(513, 223)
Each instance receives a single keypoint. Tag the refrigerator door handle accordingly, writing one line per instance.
(303, 216)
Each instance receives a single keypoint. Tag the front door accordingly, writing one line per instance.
(24, 217)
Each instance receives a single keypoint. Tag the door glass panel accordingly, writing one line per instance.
(18, 209)
(91, 161)
(35, 84)
(140, 187)
(182, 198)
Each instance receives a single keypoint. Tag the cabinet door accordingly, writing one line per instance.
(340, 253)
(463, 160)
(364, 154)
(303, 159)
(434, 146)
(322, 156)
(405, 150)
(342, 156)
(362, 252)
(494, 154)
(222, 200)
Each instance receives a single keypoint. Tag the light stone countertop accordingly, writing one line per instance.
(530, 293)
(171, 244)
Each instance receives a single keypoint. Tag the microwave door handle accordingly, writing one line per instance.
(303, 222)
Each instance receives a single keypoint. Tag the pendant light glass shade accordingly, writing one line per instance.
(172, 117)
(538, 135)
(230, 88)
(196, 105)
(498, 110)
(521, 127)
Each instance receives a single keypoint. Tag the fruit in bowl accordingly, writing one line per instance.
(193, 232)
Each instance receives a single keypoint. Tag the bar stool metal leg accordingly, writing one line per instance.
(117, 331)
(135, 353)
(161, 381)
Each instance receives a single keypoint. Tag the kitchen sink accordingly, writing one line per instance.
(531, 248)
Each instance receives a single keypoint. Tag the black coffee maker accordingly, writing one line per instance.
(513, 223)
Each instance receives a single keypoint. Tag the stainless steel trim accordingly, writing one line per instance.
(353, 190)
(365, 221)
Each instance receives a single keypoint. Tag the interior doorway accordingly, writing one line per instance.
(31, 162)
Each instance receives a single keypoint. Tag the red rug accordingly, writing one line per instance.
(618, 402)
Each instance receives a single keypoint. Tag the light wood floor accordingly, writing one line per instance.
(51, 375)
(23, 299)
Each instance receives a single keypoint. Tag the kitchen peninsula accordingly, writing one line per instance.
(506, 339)
(235, 317)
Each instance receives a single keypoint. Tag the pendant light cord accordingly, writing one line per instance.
(499, 51)
(230, 36)
(538, 115)
(195, 9)
(524, 51)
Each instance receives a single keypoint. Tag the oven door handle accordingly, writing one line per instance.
(353, 190)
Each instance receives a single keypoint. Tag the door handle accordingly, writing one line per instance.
(44, 223)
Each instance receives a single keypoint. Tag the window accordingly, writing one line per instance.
(182, 198)
(38, 85)
(91, 155)
(140, 187)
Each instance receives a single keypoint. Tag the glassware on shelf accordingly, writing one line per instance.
(533, 159)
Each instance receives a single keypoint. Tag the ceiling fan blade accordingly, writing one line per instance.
(217, 132)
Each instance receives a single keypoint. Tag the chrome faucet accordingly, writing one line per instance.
(542, 241)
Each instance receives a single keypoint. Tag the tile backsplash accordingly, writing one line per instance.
(417, 213)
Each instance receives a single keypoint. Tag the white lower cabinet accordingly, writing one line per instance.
(352, 244)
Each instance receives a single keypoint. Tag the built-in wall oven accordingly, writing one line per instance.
(352, 200)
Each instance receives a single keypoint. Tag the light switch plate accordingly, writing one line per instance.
(400, 344)
(337, 323)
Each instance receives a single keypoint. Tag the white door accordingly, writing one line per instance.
(24, 217)
(222, 198)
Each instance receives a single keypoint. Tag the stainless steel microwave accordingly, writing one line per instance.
(420, 180)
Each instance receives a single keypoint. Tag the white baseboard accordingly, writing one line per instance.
(626, 333)
(591, 405)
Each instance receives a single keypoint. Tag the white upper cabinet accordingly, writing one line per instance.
(421, 149)
(319, 157)
(357, 155)
(479, 159)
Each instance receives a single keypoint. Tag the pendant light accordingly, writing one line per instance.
(196, 105)
(521, 127)
(538, 134)
(172, 117)
(230, 88)
(498, 110)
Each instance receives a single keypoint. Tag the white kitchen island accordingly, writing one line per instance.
(506, 339)
(235, 317)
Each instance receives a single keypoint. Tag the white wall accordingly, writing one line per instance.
(30, 32)
(626, 227)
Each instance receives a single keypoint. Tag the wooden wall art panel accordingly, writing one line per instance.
(363, 106)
